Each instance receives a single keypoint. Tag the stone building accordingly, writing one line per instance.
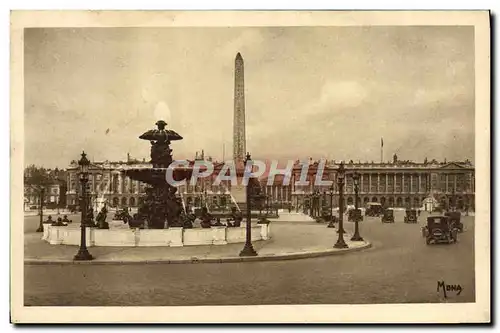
(54, 189)
(106, 182)
(52, 197)
(396, 184)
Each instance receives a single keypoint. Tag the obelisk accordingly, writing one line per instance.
(238, 192)
(239, 144)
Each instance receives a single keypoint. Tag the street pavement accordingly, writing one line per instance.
(400, 268)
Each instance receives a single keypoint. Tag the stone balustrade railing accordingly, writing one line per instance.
(173, 237)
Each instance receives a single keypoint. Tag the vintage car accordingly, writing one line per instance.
(455, 218)
(352, 213)
(439, 229)
(123, 215)
(388, 216)
(374, 209)
(411, 216)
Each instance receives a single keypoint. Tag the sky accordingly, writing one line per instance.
(320, 92)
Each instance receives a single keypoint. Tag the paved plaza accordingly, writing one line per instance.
(399, 267)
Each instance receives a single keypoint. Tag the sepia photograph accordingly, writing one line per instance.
(187, 167)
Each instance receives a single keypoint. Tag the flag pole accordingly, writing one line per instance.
(381, 150)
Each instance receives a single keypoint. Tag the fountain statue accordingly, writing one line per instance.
(161, 207)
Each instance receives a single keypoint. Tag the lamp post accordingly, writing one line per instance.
(204, 199)
(83, 253)
(268, 210)
(323, 202)
(357, 216)
(340, 180)
(331, 224)
(58, 181)
(248, 250)
(315, 203)
(42, 195)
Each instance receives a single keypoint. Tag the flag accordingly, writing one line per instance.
(381, 142)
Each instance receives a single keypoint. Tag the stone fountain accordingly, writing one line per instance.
(161, 207)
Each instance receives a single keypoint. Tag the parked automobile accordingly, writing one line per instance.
(374, 209)
(388, 216)
(455, 218)
(439, 229)
(411, 216)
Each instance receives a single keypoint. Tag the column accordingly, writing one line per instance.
(446, 184)
(369, 183)
(419, 183)
(394, 185)
(387, 183)
(120, 184)
(411, 183)
(455, 183)
(402, 183)
(378, 182)
(362, 184)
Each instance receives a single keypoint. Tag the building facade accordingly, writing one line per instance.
(51, 180)
(398, 184)
(52, 197)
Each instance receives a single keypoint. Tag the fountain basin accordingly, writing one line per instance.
(158, 175)
(174, 237)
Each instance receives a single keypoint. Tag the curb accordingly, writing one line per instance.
(194, 260)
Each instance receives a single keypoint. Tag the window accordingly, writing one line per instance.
(390, 183)
(349, 184)
(366, 183)
(398, 183)
(381, 184)
(406, 183)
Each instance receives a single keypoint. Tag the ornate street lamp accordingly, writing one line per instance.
(331, 224)
(248, 250)
(340, 180)
(357, 215)
(42, 196)
(58, 181)
(83, 253)
(316, 203)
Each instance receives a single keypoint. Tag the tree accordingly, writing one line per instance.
(37, 180)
